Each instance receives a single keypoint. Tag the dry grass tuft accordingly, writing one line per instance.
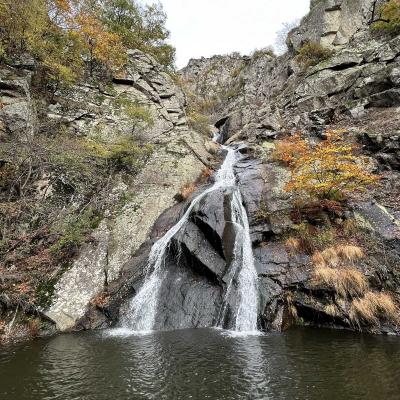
(186, 191)
(318, 260)
(331, 309)
(349, 252)
(33, 327)
(205, 174)
(374, 306)
(331, 256)
(345, 281)
(293, 244)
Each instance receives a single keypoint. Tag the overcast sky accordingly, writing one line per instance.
(207, 27)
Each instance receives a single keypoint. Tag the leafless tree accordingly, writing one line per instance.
(281, 36)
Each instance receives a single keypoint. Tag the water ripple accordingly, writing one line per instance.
(202, 364)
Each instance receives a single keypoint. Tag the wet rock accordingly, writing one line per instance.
(250, 175)
(187, 300)
(229, 126)
(199, 252)
(271, 260)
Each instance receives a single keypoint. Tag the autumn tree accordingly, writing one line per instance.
(140, 27)
(71, 38)
(99, 45)
(21, 22)
(329, 169)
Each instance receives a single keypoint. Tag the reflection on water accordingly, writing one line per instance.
(202, 364)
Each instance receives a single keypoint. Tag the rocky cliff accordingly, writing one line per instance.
(253, 101)
(262, 98)
(100, 116)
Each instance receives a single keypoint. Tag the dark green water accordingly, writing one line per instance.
(203, 364)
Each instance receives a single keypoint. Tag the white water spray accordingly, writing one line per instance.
(143, 307)
(242, 272)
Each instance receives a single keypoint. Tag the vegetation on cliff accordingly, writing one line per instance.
(312, 53)
(72, 39)
(389, 20)
(330, 169)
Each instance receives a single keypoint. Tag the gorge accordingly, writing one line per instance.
(230, 230)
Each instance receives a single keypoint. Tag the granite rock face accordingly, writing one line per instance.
(356, 88)
(333, 22)
(257, 97)
(178, 158)
(17, 111)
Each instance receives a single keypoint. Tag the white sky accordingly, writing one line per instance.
(208, 27)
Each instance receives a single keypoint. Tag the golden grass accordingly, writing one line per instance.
(331, 309)
(350, 252)
(187, 190)
(334, 256)
(318, 260)
(293, 244)
(345, 281)
(374, 306)
(293, 311)
(331, 257)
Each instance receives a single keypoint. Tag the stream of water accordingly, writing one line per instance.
(143, 307)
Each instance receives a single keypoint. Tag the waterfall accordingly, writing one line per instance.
(143, 307)
(243, 274)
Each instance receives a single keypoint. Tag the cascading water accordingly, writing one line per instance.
(243, 275)
(143, 307)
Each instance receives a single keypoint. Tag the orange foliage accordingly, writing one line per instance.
(205, 175)
(100, 300)
(100, 45)
(187, 190)
(289, 150)
(325, 170)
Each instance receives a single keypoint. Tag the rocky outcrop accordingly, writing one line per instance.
(17, 109)
(252, 101)
(271, 95)
(356, 89)
(333, 23)
(178, 157)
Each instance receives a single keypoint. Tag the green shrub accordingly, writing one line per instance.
(389, 18)
(124, 155)
(128, 156)
(312, 53)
